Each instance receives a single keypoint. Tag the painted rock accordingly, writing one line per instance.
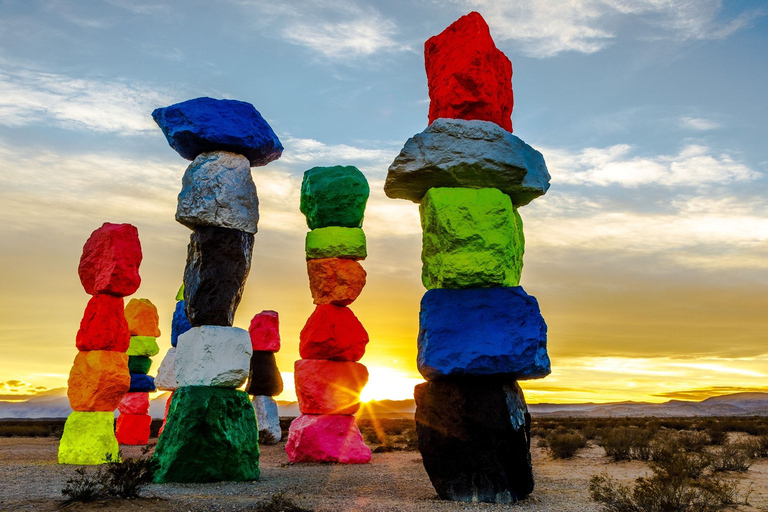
(165, 416)
(139, 364)
(335, 280)
(89, 439)
(142, 318)
(474, 439)
(98, 380)
(336, 242)
(142, 383)
(333, 332)
(326, 438)
(334, 196)
(468, 154)
(180, 323)
(180, 293)
(213, 356)
(103, 326)
(206, 124)
(165, 380)
(329, 387)
(217, 190)
(265, 331)
(468, 77)
(482, 332)
(145, 346)
(133, 429)
(264, 377)
(472, 238)
(110, 260)
(218, 261)
(134, 403)
(210, 436)
(268, 419)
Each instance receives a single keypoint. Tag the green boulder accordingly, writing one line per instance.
(89, 438)
(210, 435)
(180, 293)
(336, 242)
(334, 196)
(139, 364)
(472, 238)
(143, 346)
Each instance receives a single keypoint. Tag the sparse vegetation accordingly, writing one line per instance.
(279, 502)
(389, 434)
(564, 445)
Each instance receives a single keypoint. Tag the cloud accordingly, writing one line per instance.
(698, 124)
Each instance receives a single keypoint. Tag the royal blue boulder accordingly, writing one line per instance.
(141, 383)
(207, 124)
(180, 323)
(482, 332)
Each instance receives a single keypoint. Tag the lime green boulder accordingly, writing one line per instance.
(143, 346)
(210, 435)
(472, 238)
(336, 242)
(334, 196)
(180, 293)
(139, 364)
(89, 438)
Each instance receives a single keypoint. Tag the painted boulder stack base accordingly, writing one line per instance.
(328, 379)
(479, 332)
(109, 270)
(165, 379)
(264, 379)
(210, 433)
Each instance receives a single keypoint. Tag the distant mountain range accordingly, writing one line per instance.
(54, 404)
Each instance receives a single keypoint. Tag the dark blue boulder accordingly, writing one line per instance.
(180, 323)
(141, 382)
(482, 332)
(207, 124)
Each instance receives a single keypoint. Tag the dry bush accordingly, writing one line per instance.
(693, 441)
(732, 457)
(625, 443)
(279, 502)
(564, 445)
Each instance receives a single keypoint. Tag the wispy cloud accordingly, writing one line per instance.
(698, 124)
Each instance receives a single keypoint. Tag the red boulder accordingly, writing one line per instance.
(133, 428)
(333, 332)
(134, 403)
(468, 77)
(329, 387)
(110, 260)
(103, 326)
(265, 331)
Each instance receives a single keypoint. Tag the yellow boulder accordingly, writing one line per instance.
(88, 438)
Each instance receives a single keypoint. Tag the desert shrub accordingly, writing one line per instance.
(279, 502)
(625, 443)
(115, 479)
(732, 457)
(83, 487)
(757, 445)
(31, 427)
(693, 441)
(564, 445)
(717, 434)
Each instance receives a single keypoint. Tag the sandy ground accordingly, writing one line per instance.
(30, 479)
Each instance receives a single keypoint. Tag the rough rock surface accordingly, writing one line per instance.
(468, 77)
(268, 419)
(329, 387)
(110, 260)
(474, 438)
(139, 364)
(103, 326)
(207, 124)
(265, 331)
(335, 280)
(334, 196)
(143, 346)
(336, 242)
(88, 438)
(142, 318)
(165, 416)
(134, 403)
(264, 377)
(210, 436)
(165, 380)
(98, 380)
(133, 429)
(180, 323)
(142, 383)
(218, 261)
(482, 332)
(213, 356)
(472, 238)
(326, 438)
(468, 154)
(180, 293)
(333, 332)
(217, 190)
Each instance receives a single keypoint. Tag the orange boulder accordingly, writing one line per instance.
(335, 280)
(329, 387)
(98, 380)
(142, 318)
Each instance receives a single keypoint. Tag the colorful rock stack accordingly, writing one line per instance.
(211, 433)
(328, 378)
(479, 332)
(109, 270)
(165, 380)
(134, 422)
(265, 381)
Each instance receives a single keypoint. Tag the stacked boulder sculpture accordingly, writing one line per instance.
(328, 377)
(109, 270)
(264, 380)
(211, 432)
(479, 332)
(165, 380)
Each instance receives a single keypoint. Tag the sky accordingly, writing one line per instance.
(648, 255)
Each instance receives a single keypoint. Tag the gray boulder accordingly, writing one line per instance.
(268, 419)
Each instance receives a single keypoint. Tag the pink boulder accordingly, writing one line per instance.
(134, 403)
(326, 438)
(165, 418)
(133, 428)
(333, 332)
(110, 260)
(265, 331)
(103, 326)
(329, 387)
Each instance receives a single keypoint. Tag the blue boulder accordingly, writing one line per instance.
(141, 382)
(206, 124)
(180, 323)
(482, 332)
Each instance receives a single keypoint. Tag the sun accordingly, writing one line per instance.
(388, 384)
